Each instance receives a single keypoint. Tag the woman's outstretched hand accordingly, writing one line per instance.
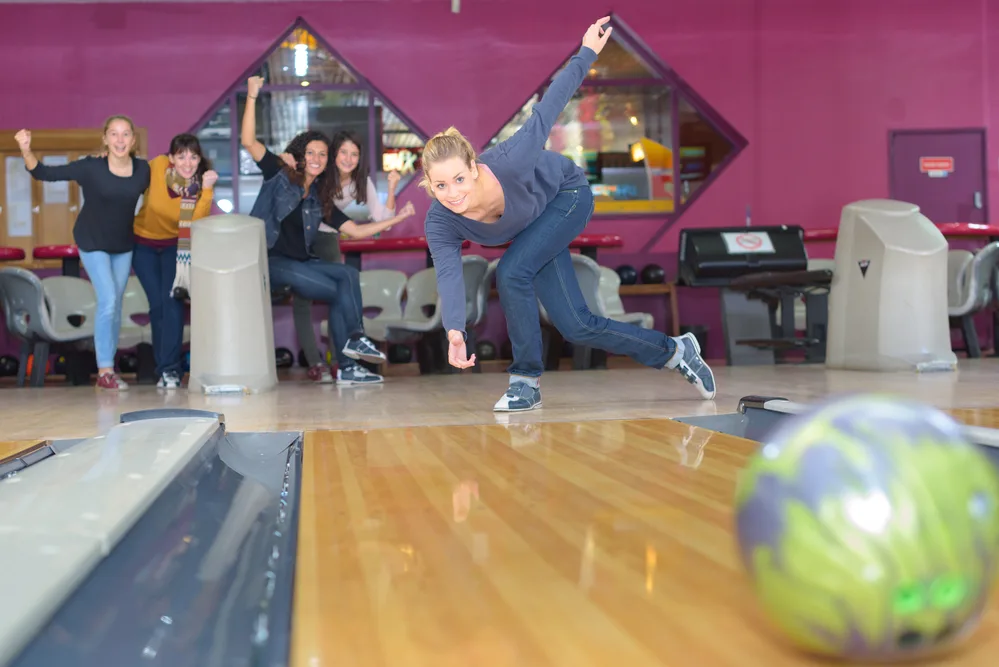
(456, 353)
(596, 36)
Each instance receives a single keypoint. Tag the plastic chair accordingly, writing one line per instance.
(39, 321)
(971, 284)
(610, 294)
(381, 289)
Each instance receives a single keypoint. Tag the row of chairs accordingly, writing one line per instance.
(409, 308)
(59, 312)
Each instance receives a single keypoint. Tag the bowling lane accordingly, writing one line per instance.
(587, 543)
(12, 449)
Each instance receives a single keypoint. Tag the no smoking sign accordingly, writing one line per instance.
(740, 243)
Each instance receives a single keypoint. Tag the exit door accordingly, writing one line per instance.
(943, 172)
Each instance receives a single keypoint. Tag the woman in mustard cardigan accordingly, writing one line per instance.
(180, 190)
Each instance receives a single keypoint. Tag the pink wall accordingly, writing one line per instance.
(814, 87)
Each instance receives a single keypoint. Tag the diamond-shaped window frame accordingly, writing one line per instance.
(361, 84)
(666, 77)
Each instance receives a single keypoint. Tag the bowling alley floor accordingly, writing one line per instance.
(431, 531)
(625, 391)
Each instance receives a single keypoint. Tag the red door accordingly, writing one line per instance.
(941, 171)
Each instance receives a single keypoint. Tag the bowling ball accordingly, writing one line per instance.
(9, 365)
(869, 529)
(128, 363)
(485, 350)
(284, 358)
(628, 274)
(653, 274)
(399, 354)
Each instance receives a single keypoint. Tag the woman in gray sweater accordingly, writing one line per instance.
(541, 201)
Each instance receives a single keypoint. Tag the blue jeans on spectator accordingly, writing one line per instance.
(108, 273)
(335, 284)
(156, 268)
(537, 266)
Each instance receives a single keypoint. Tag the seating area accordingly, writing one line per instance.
(54, 317)
(409, 310)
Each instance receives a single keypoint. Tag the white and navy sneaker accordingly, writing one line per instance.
(519, 397)
(169, 380)
(693, 368)
(355, 374)
(362, 349)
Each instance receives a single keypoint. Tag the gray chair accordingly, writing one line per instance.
(588, 275)
(475, 270)
(416, 323)
(29, 319)
(972, 289)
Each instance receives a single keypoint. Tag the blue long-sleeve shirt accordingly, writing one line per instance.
(531, 177)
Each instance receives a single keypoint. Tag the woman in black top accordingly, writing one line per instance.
(111, 189)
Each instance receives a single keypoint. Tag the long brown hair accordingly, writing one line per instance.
(360, 174)
(326, 182)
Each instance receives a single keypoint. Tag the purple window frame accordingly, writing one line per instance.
(670, 79)
(363, 84)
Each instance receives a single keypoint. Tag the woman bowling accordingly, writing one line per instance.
(541, 201)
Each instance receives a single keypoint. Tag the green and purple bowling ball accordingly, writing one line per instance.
(870, 529)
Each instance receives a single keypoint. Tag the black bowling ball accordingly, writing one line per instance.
(9, 366)
(128, 363)
(653, 274)
(284, 358)
(628, 274)
(399, 354)
(485, 350)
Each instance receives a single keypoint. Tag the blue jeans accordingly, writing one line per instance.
(109, 276)
(537, 266)
(156, 268)
(337, 285)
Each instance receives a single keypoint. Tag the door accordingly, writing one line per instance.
(55, 204)
(941, 171)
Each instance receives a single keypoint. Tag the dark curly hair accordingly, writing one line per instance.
(360, 173)
(189, 142)
(325, 183)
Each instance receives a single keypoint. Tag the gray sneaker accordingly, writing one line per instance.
(169, 380)
(356, 375)
(693, 368)
(519, 397)
(362, 349)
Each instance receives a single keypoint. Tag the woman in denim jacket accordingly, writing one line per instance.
(293, 201)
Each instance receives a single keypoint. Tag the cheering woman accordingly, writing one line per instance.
(111, 186)
(180, 191)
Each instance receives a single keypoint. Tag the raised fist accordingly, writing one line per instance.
(597, 35)
(408, 209)
(209, 179)
(393, 180)
(23, 139)
(253, 85)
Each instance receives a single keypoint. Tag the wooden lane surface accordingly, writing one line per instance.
(576, 544)
(11, 449)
